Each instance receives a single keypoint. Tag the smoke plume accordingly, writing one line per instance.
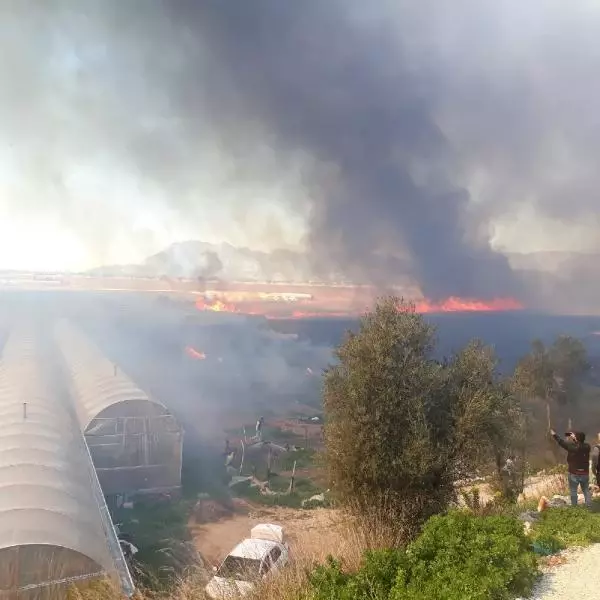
(386, 203)
(399, 138)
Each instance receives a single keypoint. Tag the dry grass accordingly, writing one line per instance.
(344, 535)
(350, 537)
(548, 486)
(356, 535)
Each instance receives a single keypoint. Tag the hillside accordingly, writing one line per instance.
(198, 259)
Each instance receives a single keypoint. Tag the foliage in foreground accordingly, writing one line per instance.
(402, 427)
(570, 526)
(458, 556)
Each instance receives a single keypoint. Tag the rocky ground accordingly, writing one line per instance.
(572, 574)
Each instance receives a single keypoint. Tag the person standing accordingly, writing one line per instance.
(578, 461)
(596, 462)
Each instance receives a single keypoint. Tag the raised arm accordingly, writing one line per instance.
(562, 442)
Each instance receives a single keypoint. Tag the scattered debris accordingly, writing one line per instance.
(529, 517)
(556, 502)
(555, 561)
(129, 550)
(237, 479)
(314, 501)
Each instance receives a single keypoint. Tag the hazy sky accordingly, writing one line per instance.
(124, 125)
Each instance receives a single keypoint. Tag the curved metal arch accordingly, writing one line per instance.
(46, 475)
(96, 385)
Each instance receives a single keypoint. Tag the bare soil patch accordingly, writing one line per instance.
(312, 533)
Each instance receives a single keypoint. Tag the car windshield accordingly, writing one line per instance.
(240, 568)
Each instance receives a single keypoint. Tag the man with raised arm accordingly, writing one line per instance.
(578, 461)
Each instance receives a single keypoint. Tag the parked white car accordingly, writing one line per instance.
(257, 557)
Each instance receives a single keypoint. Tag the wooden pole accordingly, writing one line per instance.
(291, 488)
(242, 461)
(269, 463)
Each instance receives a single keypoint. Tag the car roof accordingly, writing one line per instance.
(254, 548)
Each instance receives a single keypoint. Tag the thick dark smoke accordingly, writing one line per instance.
(386, 204)
(404, 134)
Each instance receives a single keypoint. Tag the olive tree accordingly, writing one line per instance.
(553, 374)
(401, 426)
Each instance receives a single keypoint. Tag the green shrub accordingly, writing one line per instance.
(546, 544)
(571, 526)
(373, 581)
(458, 556)
(329, 582)
(378, 573)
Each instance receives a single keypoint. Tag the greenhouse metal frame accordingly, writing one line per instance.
(135, 442)
(55, 529)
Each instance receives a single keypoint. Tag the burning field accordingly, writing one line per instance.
(274, 300)
(328, 301)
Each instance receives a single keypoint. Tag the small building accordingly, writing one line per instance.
(135, 442)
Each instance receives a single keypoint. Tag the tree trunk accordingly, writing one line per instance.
(554, 448)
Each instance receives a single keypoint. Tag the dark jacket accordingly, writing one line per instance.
(578, 455)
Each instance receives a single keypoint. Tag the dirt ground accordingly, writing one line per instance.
(311, 533)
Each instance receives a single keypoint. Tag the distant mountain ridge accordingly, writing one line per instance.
(201, 260)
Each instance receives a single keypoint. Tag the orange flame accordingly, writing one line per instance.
(215, 305)
(313, 309)
(194, 353)
(454, 304)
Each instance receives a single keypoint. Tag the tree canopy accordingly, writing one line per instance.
(553, 373)
(401, 426)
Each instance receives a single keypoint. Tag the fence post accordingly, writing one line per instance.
(291, 488)
(269, 462)
(242, 461)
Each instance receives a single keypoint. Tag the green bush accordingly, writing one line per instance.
(571, 526)
(374, 580)
(329, 582)
(377, 575)
(458, 556)
(546, 544)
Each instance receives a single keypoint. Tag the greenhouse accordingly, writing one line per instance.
(55, 530)
(135, 442)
